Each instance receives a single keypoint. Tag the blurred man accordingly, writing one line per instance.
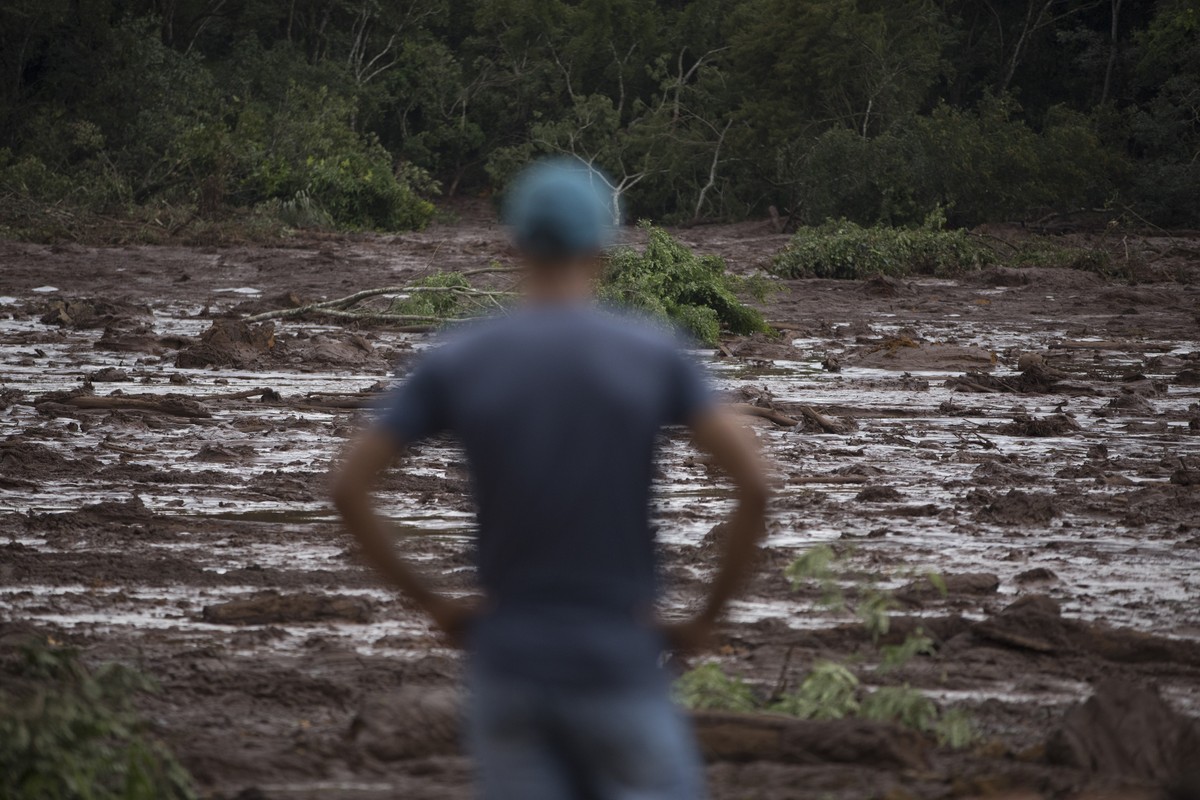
(558, 406)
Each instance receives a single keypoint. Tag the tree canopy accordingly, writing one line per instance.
(354, 113)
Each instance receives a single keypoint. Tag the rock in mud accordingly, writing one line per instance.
(880, 285)
(728, 736)
(229, 343)
(415, 722)
(272, 607)
(1031, 623)
(1127, 731)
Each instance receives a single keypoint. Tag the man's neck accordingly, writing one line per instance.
(559, 286)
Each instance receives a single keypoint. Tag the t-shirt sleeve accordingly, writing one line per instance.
(416, 408)
(691, 393)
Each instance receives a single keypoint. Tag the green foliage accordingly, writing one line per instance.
(871, 111)
(442, 305)
(845, 250)
(71, 733)
(671, 282)
(900, 704)
(828, 692)
(955, 729)
(707, 687)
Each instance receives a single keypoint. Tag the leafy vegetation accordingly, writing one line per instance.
(71, 733)
(352, 113)
(831, 690)
(707, 687)
(670, 281)
(845, 250)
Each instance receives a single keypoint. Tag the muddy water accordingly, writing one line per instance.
(196, 513)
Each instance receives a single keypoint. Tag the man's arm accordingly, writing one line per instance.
(369, 456)
(735, 451)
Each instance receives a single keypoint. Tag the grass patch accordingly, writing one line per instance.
(71, 733)
(671, 282)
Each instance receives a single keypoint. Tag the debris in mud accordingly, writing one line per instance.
(728, 736)
(906, 354)
(271, 607)
(1028, 425)
(9, 397)
(108, 512)
(91, 313)
(415, 722)
(20, 459)
(1128, 731)
(109, 375)
(229, 343)
(1035, 623)
(952, 585)
(226, 454)
(1033, 379)
(55, 404)
(1001, 276)
(1020, 508)
(763, 346)
(1188, 377)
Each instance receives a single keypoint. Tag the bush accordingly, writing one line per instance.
(71, 733)
(671, 282)
(846, 250)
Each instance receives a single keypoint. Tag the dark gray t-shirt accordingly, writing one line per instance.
(558, 410)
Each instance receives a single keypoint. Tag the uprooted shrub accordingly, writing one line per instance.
(72, 733)
(671, 282)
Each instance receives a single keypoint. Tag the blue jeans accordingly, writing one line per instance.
(533, 741)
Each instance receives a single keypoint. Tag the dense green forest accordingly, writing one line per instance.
(357, 113)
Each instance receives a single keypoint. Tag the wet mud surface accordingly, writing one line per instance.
(1033, 436)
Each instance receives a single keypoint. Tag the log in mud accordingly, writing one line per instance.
(1034, 441)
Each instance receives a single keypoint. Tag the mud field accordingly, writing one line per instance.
(1033, 436)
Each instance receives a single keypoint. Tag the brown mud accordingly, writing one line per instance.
(1032, 435)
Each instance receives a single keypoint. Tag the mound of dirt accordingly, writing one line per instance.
(415, 722)
(107, 513)
(1000, 276)
(22, 461)
(911, 356)
(885, 286)
(878, 494)
(1020, 508)
(229, 343)
(1128, 731)
(271, 608)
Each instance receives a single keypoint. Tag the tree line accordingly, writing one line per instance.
(355, 113)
